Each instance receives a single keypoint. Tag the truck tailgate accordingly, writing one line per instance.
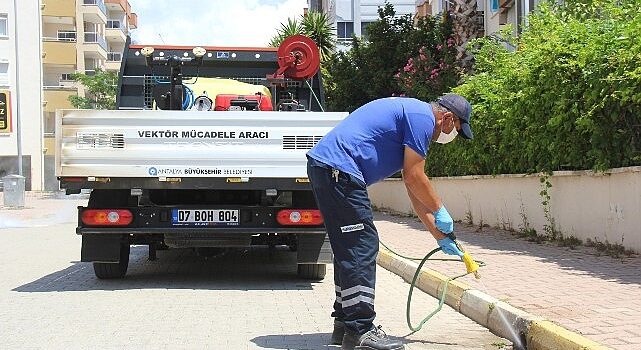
(154, 144)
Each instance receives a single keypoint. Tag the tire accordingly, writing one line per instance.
(114, 270)
(99, 199)
(312, 271)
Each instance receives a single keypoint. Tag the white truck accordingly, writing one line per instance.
(192, 158)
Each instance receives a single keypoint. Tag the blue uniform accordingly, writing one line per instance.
(370, 142)
(363, 149)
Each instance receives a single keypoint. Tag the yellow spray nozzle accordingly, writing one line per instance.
(471, 265)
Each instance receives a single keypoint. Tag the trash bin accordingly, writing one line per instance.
(14, 191)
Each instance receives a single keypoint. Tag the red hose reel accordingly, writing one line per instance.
(298, 58)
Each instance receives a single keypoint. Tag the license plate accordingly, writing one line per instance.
(204, 217)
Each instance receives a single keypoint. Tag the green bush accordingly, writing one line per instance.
(568, 97)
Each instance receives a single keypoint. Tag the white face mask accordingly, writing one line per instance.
(444, 138)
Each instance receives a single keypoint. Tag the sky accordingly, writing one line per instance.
(212, 22)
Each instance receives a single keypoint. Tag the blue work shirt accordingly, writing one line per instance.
(370, 142)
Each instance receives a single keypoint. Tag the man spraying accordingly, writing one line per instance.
(375, 141)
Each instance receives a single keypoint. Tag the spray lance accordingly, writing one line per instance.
(472, 266)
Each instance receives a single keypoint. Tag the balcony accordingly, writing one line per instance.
(115, 31)
(95, 45)
(59, 8)
(59, 51)
(118, 5)
(57, 97)
(114, 60)
(94, 11)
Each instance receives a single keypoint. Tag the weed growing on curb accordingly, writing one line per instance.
(615, 250)
(500, 345)
(469, 219)
(550, 226)
(570, 242)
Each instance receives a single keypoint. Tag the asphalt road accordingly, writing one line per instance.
(244, 299)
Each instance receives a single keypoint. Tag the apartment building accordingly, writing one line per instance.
(495, 14)
(21, 91)
(78, 36)
(351, 17)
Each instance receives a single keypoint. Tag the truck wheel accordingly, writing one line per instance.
(114, 270)
(312, 271)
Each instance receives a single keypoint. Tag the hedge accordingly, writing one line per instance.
(567, 98)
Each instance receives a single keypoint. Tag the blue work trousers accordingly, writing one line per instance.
(347, 213)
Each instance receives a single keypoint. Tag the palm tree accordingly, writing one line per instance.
(318, 27)
(315, 25)
(293, 27)
(466, 27)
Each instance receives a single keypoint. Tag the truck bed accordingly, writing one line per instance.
(184, 149)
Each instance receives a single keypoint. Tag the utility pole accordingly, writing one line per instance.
(18, 116)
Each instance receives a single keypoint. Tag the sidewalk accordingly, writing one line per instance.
(42, 209)
(597, 296)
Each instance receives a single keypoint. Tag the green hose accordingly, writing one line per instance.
(441, 301)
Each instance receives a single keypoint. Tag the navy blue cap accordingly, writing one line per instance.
(458, 105)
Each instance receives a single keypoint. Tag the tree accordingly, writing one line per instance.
(371, 68)
(434, 71)
(466, 27)
(315, 25)
(101, 89)
(292, 27)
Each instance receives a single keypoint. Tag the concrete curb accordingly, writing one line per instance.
(500, 318)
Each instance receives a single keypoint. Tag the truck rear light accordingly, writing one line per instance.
(290, 217)
(107, 217)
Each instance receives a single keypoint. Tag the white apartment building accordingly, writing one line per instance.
(21, 82)
(351, 17)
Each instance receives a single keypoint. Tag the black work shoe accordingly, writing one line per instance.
(338, 333)
(374, 339)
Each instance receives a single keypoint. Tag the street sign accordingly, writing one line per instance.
(5, 111)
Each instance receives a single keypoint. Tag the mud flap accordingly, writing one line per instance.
(314, 248)
(100, 248)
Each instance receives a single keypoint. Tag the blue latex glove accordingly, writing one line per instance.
(443, 220)
(449, 247)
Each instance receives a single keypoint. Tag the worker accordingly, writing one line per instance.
(373, 142)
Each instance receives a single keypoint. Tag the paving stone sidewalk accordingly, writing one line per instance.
(597, 296)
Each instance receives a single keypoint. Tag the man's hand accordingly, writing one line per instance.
(448, 246)
(443, 220)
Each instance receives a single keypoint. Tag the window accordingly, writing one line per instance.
(345, 30)
(66, 77)
(4, 25)
(113, 24)
(49, 123)
(4, 73)
(65, 35)
(364, 28)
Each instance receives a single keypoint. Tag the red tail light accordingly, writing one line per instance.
(291, 217)
(107, 217)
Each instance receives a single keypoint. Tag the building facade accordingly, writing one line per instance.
(351, 17)
(21, 91)
(495, 14)
(78, 36)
